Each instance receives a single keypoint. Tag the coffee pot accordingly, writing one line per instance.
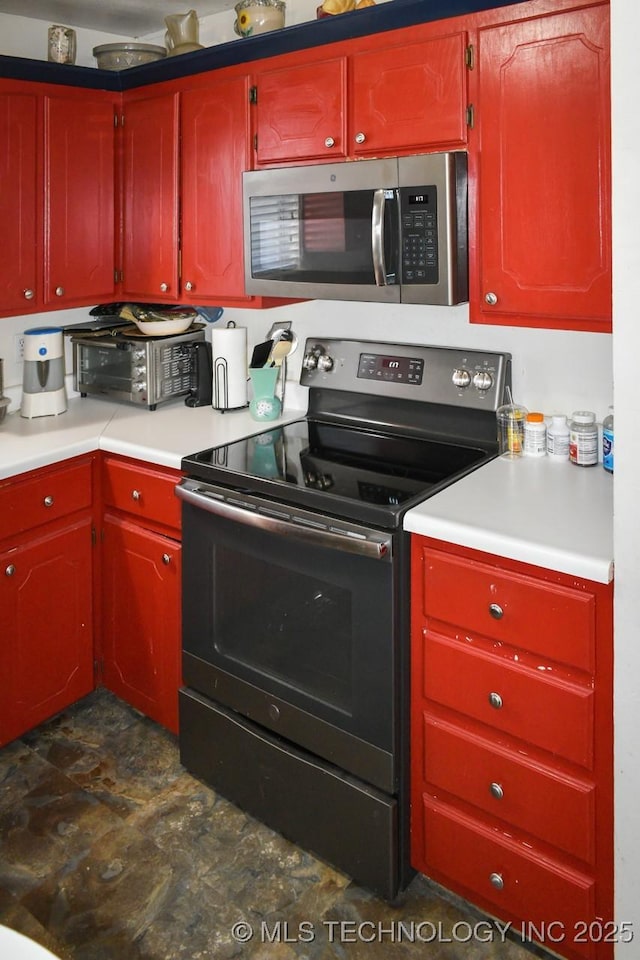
(43, 389)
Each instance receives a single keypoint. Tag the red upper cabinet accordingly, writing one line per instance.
(214, 152)
(409, 96)
(19, 252)
(541, 154)
(150, 196)
(79, 199)
(301, 112)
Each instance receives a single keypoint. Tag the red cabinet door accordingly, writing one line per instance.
(20, 251)
(409, 97)
(544, 243)
(301, 112)
(79, 199)
(214, 152)
(150, 198)
(46, 657)
(141, 618)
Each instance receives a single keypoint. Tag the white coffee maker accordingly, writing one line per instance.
(43, 389)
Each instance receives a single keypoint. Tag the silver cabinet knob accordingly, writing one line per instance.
(496, 880)
(496, 790)
(496, 611)
(491, 298)
(48, 501)
(360, 137)
(166, 559)
(28, 294)
(136, 495)
(329, 142)
(495, 700)
(164, 287)
(188, 285)
(59, 291)
(10, 570)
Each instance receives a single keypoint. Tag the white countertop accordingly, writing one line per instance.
(539, 511)
(550, 514)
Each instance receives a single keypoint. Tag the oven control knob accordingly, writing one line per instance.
(139, 371)
(310, 361)
(325, 363)
(461, 377)
(139, 386)
(138, 355)
(483, 380)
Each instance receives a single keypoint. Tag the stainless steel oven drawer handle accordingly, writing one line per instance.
(324, 538)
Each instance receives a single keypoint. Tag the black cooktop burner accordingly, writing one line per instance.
(357, 473)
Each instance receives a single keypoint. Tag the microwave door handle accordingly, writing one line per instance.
(377, 237)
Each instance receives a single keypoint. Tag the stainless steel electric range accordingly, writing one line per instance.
(296, 593)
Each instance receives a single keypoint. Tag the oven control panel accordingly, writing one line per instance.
(467, 378)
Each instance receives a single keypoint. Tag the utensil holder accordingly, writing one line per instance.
(264, 404)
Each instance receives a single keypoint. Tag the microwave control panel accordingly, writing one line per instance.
(419, 222)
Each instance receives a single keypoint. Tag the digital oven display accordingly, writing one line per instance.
(378, 366)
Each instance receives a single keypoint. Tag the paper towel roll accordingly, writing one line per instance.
(230, 368)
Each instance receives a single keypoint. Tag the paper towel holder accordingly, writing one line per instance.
(228, 372)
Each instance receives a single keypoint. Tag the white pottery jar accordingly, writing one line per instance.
(258, 16)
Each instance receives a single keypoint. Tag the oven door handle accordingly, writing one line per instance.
(377, 238)
(198, 497)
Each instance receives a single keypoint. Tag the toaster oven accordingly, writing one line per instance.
(134, 368)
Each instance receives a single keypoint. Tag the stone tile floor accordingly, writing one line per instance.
(109, 850)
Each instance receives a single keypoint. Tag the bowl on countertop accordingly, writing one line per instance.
(121, 56)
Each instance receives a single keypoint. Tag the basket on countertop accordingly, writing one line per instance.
(120, 56)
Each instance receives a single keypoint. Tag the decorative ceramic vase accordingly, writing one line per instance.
(264, 404)
(258, 16)
(62, 44)
(182, 33)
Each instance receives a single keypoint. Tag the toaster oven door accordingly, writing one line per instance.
(109, 369)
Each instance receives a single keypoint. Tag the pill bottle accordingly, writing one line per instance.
(583, 439)
(558, 437)
(535, 435)
(607, 441)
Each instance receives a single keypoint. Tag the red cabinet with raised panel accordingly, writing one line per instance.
(511, 741)
(150, 199)
(141, 587)
(46, 598)
(541, 156)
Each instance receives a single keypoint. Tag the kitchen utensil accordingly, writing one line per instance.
(43, 389)
(261, 354)
(200, 392)
(229, 362)
(281, 350)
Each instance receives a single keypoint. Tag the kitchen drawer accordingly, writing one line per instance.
(538, 799)
(544, 618)
(43, 497)
(141, 491)
(509, 877)
(556, 715)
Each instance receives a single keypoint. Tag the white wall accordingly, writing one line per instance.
(24, 37)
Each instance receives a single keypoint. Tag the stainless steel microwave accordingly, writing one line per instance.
(391, 230)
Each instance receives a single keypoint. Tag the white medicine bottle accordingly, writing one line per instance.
(558, 437)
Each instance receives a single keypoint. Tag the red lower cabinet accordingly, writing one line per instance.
(141, 588)
(511, 743)
(46, 598)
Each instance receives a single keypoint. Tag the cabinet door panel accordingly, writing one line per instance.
(215, 140)
(301, 112)
(544, 170)
(80, 200)
(46, 657)
(141, 619)
(150, 198)
(409, 97)
(19, 196)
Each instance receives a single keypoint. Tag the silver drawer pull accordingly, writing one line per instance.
(495, 789)
(496, 611)
(495, 700)
(491, 298)
(166, 559)
(496, 880)
(48, 501)
(10, 570)
(136, 495)
(329, 142)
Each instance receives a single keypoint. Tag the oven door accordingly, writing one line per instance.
(289, 619)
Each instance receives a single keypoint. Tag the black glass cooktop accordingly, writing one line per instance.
(361, 474)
